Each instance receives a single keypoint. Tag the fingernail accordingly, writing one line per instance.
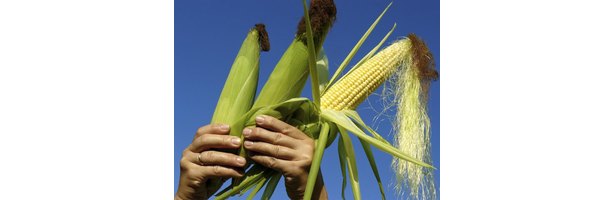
(260, 119)
(235, 141)
(225, 127)
(240, 160)
(247, 132)
(248, 143)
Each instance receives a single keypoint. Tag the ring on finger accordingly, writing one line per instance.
(199, 159)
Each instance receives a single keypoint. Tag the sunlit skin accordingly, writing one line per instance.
(272, 143)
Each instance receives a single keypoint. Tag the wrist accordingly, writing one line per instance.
(295, 187)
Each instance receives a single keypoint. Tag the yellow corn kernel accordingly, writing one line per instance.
(353, 89)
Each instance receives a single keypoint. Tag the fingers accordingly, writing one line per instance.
(276, 151)
(276, 125)
(209, 141)
(271, 162)
(195, 170)
(219, 129)
(192, 168)
(261, 134)
(217, 158)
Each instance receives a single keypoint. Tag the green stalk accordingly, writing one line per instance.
(312, 57)
(321, 143)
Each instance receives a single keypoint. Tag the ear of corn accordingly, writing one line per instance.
(237, 95)
(411, 62)
(323, 121)
(288, 77)
(354, 88)
(290, 74)
(239, 89)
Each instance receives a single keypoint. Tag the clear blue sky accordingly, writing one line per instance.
(208, 35)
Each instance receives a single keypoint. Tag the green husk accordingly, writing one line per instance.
(239, 89)
(278, 99)
(290, 74)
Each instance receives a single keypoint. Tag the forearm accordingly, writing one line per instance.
(320, 192)
(295, 188)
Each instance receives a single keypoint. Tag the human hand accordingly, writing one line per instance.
(200, 163)
(284, 148)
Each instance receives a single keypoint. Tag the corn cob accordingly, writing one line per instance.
(354, 88)
(410, 60)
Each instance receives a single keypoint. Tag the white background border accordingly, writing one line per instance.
(86, 106)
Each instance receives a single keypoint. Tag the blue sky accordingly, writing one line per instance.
(208, 35)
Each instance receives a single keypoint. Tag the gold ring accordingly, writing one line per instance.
(200, 161)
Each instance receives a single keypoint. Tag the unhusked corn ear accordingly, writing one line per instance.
(240, 87)
(238, 93)
(291, 72)
(353, 89)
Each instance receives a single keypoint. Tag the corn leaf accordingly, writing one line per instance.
(352, 163)
(354, 115)
(257, 188)
(372, 163)
(322, 65)
(271, 185)
(339, 118)
(321, 143)
(311, 56)
(342, 156)
(372, 52)
(354, 50)
(252, 177)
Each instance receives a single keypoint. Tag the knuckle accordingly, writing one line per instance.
(277, 138)
(184, 163)
(276, 151)
(217, 170)
(268, 119)
(194, 183)
(203, 129)
(271, 163)
(286, 130)
(185, 152)
(227, 140)
(305, 164)
(256, 132)
(192, 174)
(203, 139)
(306, 157)
(207, 157)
